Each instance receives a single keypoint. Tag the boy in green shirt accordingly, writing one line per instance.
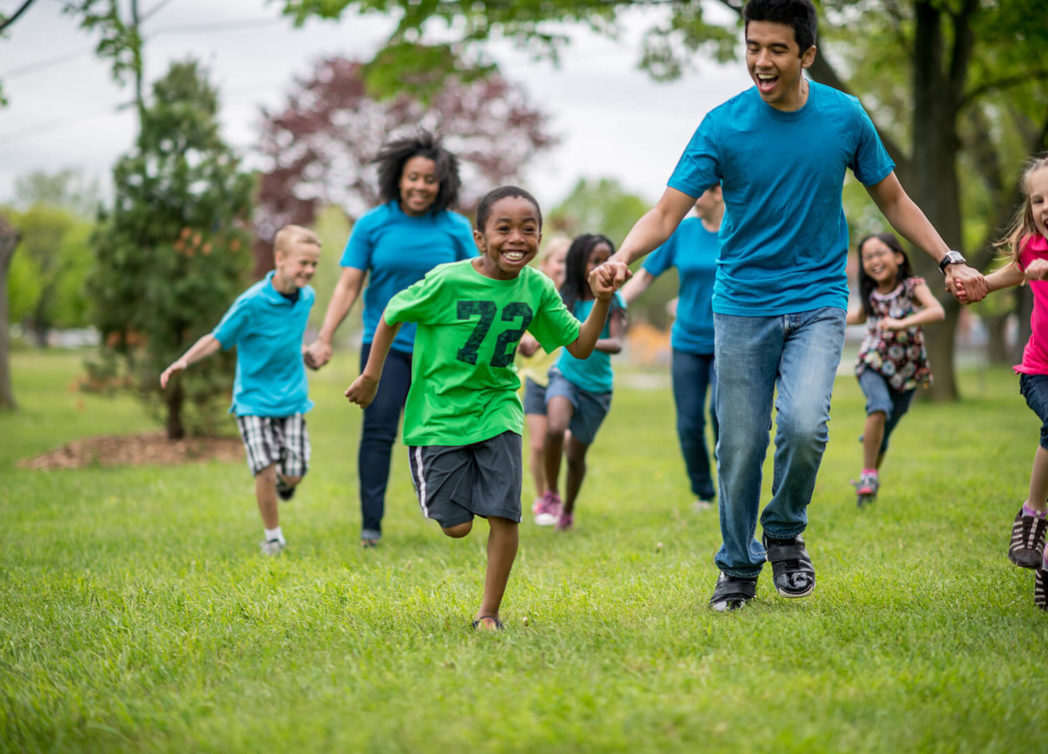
(463, 419)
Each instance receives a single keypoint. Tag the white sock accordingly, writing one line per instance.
(276, 533)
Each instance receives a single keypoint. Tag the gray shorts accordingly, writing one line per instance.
(534, 397)
(280, 440)
(454, 483)
(590, 408)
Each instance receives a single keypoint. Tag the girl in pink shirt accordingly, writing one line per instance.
(1027, 245)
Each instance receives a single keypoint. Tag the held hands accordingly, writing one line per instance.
(362, 391)
(528, 345)
(890, 324)
(608, 277)
(317, 354)
(965, 284)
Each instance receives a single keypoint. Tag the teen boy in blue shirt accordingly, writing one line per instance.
(780, 151)
(267, 323)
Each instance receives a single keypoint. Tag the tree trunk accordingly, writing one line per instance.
(174, 398)
(998, 349)
(938, 84)
(8, 243)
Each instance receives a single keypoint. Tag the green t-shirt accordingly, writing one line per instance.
(463, 379)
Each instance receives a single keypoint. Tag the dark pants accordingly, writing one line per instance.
(692, 374)
(377, 436)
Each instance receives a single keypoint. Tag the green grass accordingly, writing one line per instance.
(136, 613)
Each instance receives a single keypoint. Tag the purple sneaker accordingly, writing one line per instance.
(565, 522)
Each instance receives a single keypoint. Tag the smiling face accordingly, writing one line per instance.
(598, 255)
(776, 64)
(418, 186)
(509, 239)
(1037, 190)
(880, 263)
(295, 265)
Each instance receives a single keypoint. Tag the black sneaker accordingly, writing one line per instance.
(732, 592)
(285, 491)
(1028, 534)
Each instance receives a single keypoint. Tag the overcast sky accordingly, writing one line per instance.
(65, 110)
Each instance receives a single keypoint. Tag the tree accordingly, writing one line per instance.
(171, 249)
(67, 188)
(319, 147)
(953, 86)
(47, 283)
(8, 244)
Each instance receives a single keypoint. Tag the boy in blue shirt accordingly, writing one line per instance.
(267, 323)
(780, 151)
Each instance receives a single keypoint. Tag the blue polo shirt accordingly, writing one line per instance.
(693, 251)
(267, 330)
(784, 237)
(594, 372)
(397, 250)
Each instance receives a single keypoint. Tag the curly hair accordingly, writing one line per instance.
(868, 285)
(502, 192)
(1022, 225)
(394, 154)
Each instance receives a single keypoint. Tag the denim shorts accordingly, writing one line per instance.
(881, 397)
(1034, 388)
(534, 397)
(590, 408)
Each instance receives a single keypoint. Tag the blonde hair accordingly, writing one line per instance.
(1022, 225)
(289, 235)
(554, 245)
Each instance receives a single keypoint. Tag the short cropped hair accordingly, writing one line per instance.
(800, 15)
(290, 235)
(394, 154)
(484, 208)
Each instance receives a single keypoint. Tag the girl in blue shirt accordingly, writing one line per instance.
(578, 395)
(395, 244)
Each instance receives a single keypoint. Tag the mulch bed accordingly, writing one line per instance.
(136, 450)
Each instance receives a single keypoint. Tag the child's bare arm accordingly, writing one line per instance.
(1036, 270)
(616, 328)
(528, 345)
(364, 387)
(856, 315)
(203, 348)
(590, 331)
(931, 311)
(1006, 277)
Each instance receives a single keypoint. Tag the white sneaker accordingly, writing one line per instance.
(272, 547)
(547, 510)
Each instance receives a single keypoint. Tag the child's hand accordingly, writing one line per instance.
(318, 354)
(1037, 270)
(171, 371)
(307, 357)
(890, 324)
(965, 284)
(528, 344)
(607, 278)
(362, 391)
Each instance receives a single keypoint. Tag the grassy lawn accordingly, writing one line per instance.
(137, 614)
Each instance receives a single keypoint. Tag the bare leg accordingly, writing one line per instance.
(502, 551)
(266, 493)
(558, 416)
(872, 437)
(576, 454)
(1039, 481)
(536, 441)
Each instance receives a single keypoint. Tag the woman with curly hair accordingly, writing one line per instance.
(395, 244)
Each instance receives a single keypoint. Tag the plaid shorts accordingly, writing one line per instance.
(281, 440)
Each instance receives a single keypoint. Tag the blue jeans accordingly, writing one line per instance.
(692, 374)
(377, 435)
(796, 354)
(881, 397)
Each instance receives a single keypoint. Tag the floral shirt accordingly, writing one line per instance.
(898, 356)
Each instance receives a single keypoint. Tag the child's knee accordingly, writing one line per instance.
(268, 474)
(458, 530)
(290, 481)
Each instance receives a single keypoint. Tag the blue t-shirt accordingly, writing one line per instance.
(594, 372)
(267, 329)
(784, 237)
(693, 251)
(397, 250)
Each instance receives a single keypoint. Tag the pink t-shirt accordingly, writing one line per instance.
(1035, 355)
